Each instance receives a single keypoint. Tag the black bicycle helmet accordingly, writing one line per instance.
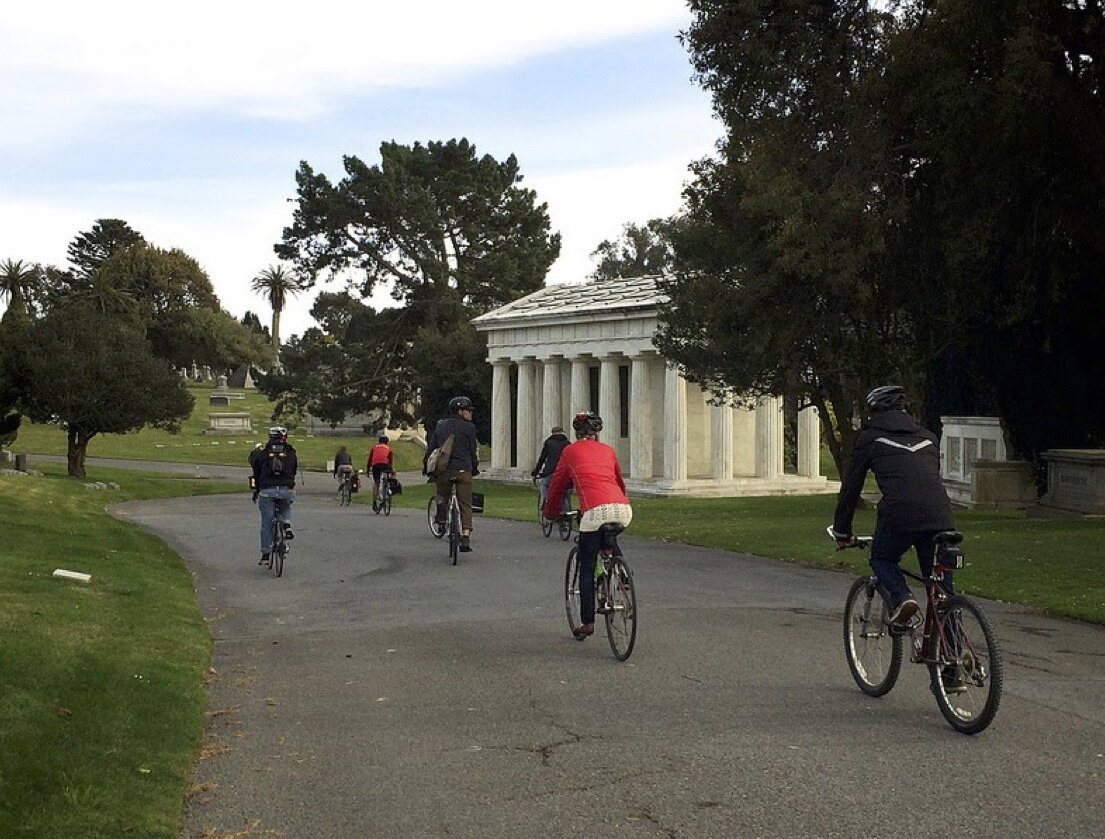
(586, 423)
(885, 398)
(278, 432)
(459, 403)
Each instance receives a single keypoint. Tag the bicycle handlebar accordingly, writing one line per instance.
(858, 541)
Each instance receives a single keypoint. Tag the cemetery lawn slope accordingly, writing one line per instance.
(104, 698)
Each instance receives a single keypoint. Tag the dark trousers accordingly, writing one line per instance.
(464, 495)
(887, 551)
(589, 544)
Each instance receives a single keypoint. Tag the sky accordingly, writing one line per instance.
(189, 120)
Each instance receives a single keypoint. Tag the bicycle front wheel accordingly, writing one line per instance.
(622, 609)
(438, 530)
(967, 678)
(565, 526)
(546, 523)
(874, 655)
(571, 589)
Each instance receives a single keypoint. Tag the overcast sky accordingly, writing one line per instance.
(189, 120)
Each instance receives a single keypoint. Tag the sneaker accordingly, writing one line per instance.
(465, 544)
(583, 630)
(905, 611)
(288, 532)
(952, 678)
(375, 506)
(264, 560)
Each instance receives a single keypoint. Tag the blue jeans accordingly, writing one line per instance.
(887, 551)
(273, 502)
(565, 505)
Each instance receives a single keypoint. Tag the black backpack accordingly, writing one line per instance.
(276, 454)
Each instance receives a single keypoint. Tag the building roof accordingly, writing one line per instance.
(598, 297)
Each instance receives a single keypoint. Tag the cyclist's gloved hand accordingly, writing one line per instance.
(475, 472)
(255, 496)
(843, 540)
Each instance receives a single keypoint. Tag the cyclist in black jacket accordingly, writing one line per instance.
(554, 445)
(464, 463)
(905, 459)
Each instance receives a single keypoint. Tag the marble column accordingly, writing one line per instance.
(609, 407)
(675, 425)
(581, 391)
(809, 443)
(528, 445)
(721, 442)
(640, 417)
(500, 414)
(769, 437)
(551, 413)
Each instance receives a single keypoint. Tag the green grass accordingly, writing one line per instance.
(1049, 563)
(103, 698)
(194, 445)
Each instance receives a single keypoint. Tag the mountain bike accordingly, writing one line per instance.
(280, 547)
(345, 488)
(955, 640)
(383, 501)
(563, 524)
(615, 593)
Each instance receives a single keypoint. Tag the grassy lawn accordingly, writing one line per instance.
(103, 691)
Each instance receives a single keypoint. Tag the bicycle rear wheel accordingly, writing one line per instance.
(967, 680)
(874, 655)
(279, 549)
(438, 530)
(565, 526)
(546, 524)
(453, 520)
(346, 495)
(571, 589)
(622, 609)
(387, 501)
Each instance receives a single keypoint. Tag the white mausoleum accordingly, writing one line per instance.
(570, 348)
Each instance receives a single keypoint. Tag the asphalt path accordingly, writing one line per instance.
(377, 691)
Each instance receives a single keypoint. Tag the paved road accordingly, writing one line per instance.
(377, 691)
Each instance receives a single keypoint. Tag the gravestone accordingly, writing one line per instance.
(1075, 480)
(230, 423)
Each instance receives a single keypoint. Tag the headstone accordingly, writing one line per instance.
(21, 463)
(241, 377)
(230, 423)
(1075, 480)
(221, 399)
(221, 386)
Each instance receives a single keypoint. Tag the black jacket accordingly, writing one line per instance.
(550, 455)
(274, 466)
(465, 453)
(905, 459)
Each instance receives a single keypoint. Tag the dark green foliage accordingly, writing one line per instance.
(93, 373)
(88, 251)
(641, 251)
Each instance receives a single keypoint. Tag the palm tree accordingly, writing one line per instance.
(276, 284)
(17, 281)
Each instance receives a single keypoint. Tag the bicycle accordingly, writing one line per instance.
(383, 500)
(955, 640)
(279, 547)
(451, 523)
(615, 593)
(345, 489)
(563, 524)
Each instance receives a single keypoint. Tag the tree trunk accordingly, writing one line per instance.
(276, 336)
(78, 447)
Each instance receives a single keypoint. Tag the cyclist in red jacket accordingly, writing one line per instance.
(380, 465)
(592, 469)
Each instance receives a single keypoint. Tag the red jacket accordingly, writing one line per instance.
(592, 469)
(380, 454)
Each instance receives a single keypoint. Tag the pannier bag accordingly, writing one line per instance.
(395, 487)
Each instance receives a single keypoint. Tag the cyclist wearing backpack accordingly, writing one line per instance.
(905, 459)
(274, 468)
(464, 462)
(593, 471)
(551, 450)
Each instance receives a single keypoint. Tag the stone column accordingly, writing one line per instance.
(609, 408)
(769, 437)
(550, 398)
(809, 443)
(500, 414)
(640, 417)
(581, 392)
(721, 442)
(527, 418)
(675, 425)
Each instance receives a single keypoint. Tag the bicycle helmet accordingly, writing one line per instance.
(586, 423)
(885, 398)
(278, 432)
(460, 403)
(383, 438)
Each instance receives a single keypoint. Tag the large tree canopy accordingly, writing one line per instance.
(641, 251)
(897, 189)
(449, 233)
(92, 373)
(89, 250)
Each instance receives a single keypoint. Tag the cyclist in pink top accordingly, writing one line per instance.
(592, 469)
